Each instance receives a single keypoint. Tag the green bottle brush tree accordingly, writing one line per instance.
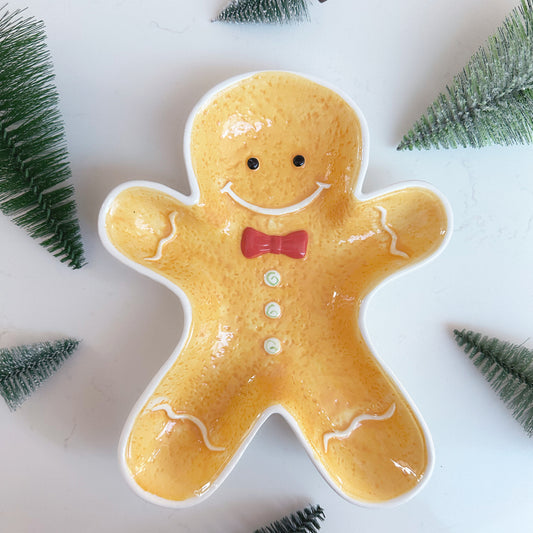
(24, 368)
(507, 367)
(265, 11)
(491, 100)
(305, 521)
(34, 165)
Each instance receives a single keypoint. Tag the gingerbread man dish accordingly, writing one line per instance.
(273, 255)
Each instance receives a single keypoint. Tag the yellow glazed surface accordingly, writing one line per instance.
(254, 344)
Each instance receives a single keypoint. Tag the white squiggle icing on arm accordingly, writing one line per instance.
(356, 422)
(157, 405)
(394, 238)
(165, 240)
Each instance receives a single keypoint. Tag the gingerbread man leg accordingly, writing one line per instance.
(362, 431)
(180, 442)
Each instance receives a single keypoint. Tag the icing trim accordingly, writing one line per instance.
(279, 210)
(154, 405)
(165, 240)
(356, 422)
(394, 238)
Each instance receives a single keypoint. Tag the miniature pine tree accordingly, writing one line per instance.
(265, 11)
(491, 100)
(33, 156)
(24, 368)
(508, 368)
(306, 521)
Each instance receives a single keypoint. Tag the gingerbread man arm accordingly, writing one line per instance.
(414, 221)
(154, 228)
(397, 229)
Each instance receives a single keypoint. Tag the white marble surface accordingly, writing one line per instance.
(128, 73)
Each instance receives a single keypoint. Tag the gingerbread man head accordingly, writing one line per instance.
(273, 255)
(275, 145)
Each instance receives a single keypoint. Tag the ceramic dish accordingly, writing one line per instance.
(274, 256)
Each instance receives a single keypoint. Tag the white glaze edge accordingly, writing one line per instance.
(193, 199)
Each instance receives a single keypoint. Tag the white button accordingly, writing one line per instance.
(272, 278)
(272, 346)
(272, 310)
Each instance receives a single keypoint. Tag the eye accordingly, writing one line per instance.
(253, 163)
(298, 161)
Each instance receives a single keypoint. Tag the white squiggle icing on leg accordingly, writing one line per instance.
(394, 238)
(165, 240)
(356, 422)
(157, 405)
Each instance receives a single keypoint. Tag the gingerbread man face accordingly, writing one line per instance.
(273, 254)
(282, 147)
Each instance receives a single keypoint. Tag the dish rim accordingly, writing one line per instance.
(192, 199)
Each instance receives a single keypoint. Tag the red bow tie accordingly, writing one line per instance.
(254, 243)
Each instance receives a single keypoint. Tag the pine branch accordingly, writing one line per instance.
(509, 370)
(33, 156)
(265, 12)
(24, 368)
(491, 100)
(306, 521)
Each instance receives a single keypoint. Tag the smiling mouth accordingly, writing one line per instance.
(275, 211)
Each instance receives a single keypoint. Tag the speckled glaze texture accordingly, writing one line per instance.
(274, 333)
